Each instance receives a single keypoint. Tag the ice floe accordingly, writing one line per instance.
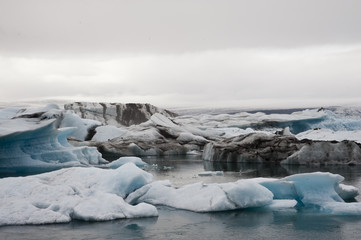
(74, 193)
(96, 194)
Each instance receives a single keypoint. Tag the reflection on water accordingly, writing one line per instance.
(179, 224)
(185, 171)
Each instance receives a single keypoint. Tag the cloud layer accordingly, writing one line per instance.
(214, 53)
(233, 77)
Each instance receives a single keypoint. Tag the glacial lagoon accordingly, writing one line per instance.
(172, 223)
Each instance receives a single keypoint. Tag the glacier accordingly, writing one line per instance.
(97, 194)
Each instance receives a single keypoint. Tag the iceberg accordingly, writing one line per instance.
(201, 197)
(310, 190)
(89, 194)
(326, 153)
(123, 160)
(29, 145)
(83, 127)
(96, 194)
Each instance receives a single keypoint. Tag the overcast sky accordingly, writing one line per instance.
(196, 53)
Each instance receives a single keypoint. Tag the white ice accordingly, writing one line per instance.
(325, 134)
(308, 190)
(74, 193)
(201, 197)
(82, 126)
(98, 194)
(123, 160)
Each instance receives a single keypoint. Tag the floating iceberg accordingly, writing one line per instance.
(123, 160)
(28, 145)
(201, 197)
(90, 194)
(321, 190)
(95, 194)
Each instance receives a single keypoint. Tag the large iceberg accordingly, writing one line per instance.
(90, 194)
(28, 145)
(321, 190)
(95, 194)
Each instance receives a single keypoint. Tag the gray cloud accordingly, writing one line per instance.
(182, 53)
(163, 26)
(234, 77)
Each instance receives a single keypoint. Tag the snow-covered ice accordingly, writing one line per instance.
(324, 134)
(96, 194)
(74, 193)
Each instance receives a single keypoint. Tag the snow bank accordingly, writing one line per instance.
(89, 194)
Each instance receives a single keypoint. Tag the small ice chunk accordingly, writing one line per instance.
(282, 204)
(346, 191)
(210, 173)
(123, 160)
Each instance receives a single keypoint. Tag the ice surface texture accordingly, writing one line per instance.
(28, 145)
(311, 190)
(90, 194)
(94, 194)
(116, 114)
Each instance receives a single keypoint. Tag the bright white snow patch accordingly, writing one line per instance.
(105, 133)
(123, 160)
(330, 135)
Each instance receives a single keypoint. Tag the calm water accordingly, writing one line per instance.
(179, 224)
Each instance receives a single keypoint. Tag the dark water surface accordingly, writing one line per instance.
(179, 224)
